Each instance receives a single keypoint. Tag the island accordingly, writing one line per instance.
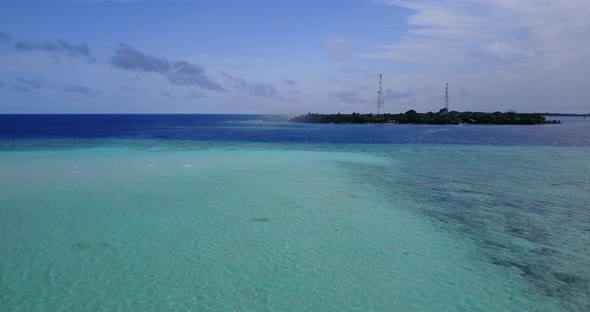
(441, 118)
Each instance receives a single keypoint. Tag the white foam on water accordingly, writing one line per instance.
(186, 166)
(151, 165)
(437, 130)
(75, 172)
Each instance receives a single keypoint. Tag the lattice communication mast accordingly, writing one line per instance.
(447, 96)
(380, 97)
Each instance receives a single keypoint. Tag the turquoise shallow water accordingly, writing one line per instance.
(127, 225)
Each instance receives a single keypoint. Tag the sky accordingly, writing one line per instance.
(293, 56)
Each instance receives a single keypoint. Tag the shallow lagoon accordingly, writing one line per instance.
(160, 224)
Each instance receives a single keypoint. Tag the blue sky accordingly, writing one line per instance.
(183, 56)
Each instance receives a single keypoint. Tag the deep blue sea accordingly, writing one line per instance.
(253, 128)
(251, 213)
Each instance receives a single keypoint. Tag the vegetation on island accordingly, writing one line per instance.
(441, 118)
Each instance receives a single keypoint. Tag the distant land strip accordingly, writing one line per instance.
(565, 115)
(441, 118)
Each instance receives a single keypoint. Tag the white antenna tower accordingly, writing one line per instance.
(380, 97)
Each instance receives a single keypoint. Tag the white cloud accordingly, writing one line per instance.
(544, 29)
(336, 46)
(531, 54)
(507, 51)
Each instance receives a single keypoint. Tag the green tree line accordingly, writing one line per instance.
(440, 118)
